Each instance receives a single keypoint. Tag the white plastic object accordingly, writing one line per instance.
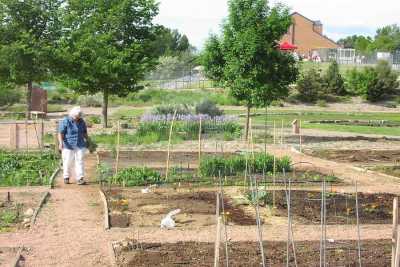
(145, 190)
(168, 221)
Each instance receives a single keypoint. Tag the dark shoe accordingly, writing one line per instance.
(81, 182)
(66, 180)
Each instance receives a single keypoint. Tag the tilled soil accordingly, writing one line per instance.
(13, 206)
(197, 208)
(340, 208)
(373, 253)
(357, 156)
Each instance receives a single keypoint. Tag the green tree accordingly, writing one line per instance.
(255, 70)
(108, 46)
(387, 39)
(212, 59)
(170, 42)
(310, 86)
(29, 30)
(334, 81)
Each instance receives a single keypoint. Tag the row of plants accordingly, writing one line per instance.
(238, 164)
(24, 169)
(371, 83)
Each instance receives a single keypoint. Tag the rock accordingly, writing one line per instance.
(26, 220)
(28, 212)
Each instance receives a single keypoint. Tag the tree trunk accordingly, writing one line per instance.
(248, 122)
(28, 100)
(105, 108)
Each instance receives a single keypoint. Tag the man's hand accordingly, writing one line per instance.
(60, 146)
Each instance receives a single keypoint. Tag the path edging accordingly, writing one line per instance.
(53, 176)
(105, 208)
(17, 258)
(37, 210)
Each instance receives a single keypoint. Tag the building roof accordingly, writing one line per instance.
(315, 22)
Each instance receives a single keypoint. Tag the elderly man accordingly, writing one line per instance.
(72, 139)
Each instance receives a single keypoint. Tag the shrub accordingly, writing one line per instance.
(373, 83)
(310, 86)
(93, 119)
(136, 177)
(334, 81)
(209, 108)
(214, 165)
(322, 103)
(91, 100)
(180, 109)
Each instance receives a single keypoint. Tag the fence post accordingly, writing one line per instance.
(14, 136)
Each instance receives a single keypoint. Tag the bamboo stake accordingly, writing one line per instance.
(218, 233)
(274, 133)
(251, 138)
(198, 167)
(282, 132)
(169, 144)
(274, 183)
(118, 144)
(358, 227)
(397, 258)
(395, 226)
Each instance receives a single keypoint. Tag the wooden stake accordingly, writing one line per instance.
(395, 226)
(300, 139)
(218, 233)
(198, 167)
(282, 132)
(118, 143)
(397, 258)
(169, 144)
(274, 133)
(26, 136)
(274, 182)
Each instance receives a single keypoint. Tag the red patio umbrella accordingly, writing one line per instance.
(287, 47)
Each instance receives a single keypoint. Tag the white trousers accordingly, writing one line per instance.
(71, 157)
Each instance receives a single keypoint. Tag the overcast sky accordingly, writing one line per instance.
(198, 18)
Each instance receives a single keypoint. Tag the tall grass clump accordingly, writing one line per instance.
(261, 162)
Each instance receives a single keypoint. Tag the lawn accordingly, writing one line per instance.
(305, 116)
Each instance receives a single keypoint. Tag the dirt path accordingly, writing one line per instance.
(69, 230)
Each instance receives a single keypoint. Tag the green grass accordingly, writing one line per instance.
(150, 97)
(391, 131)
(288, 116)
(127, 113)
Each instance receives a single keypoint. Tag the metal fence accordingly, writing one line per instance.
(352, 57)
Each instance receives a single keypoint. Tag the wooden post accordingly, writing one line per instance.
(118, 144)
(26, 136)
(169, 144)
(218, 233)
(395, 226)
(56, 139)
(251, 138)
(300, 139)
(282, 132)
(274, 133)
(14, 136)
(198, 167)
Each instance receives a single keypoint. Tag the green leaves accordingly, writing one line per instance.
(246, 58)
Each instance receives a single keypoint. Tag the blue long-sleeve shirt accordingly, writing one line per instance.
(74, 133)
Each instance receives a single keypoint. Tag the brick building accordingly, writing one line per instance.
(307, 35)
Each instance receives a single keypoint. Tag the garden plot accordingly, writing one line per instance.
(154, 159)
(340, 208)
(17, 209)
(359, 157)
(132, 253)
(130, 207)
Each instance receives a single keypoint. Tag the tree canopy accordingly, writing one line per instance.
(29, 31)
(108, 46)
(254, 69)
